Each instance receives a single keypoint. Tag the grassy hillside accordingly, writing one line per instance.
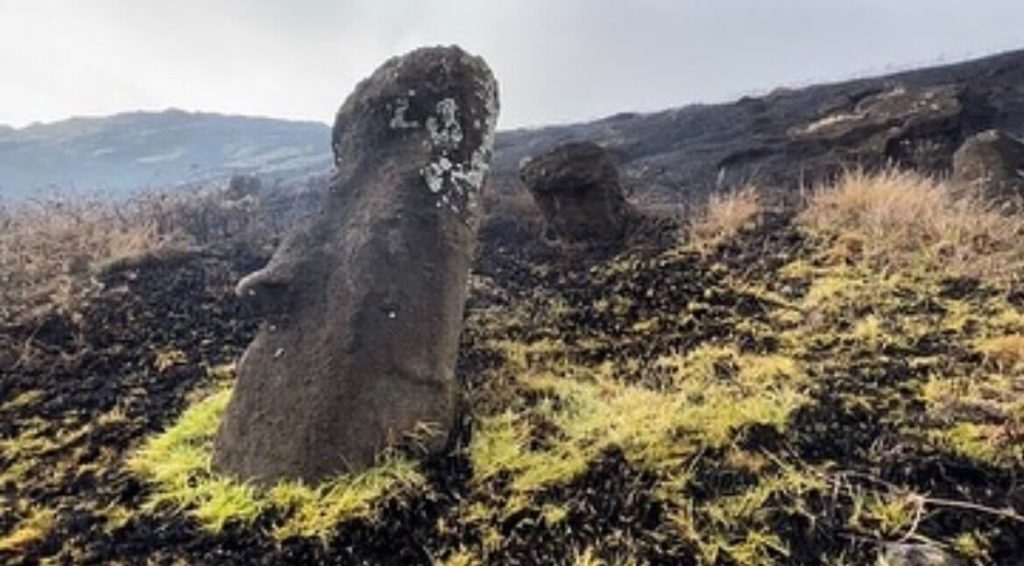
(779, 386)
(125, 154)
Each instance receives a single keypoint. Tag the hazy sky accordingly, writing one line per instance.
(556, 60)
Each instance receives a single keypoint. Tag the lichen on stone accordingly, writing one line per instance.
(399, 121)
(444, 128)
(458, 184)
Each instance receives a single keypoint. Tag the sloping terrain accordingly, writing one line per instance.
(826, 379)
(670, 155)
(788, 386)
(688, 151)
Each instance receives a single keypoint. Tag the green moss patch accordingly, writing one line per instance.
(177, 464)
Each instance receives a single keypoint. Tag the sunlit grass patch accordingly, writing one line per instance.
(753, 505)
(884, 515)
(499, 444)
(853, 309)
(177, 464)
(978, 441)
(24, 399)
(702, 401)
(316, 511)
(973, 545)
(712, 393)
(979, 415)
(24, 451)
(1008, 318)
(739, 527)
(29, 443)
(34, 527)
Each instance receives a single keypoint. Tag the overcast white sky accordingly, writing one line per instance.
(556, 60)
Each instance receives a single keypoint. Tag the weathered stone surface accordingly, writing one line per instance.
(576, 187)
(364, 307)
(916, 554)
(910, 127)
(991, 162)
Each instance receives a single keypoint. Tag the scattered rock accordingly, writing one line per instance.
(577, 189)
(55, 330)
(911, 127)
(992, 163)
(913, 554)
(364, 307)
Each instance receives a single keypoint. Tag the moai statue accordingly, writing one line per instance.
(364, 306)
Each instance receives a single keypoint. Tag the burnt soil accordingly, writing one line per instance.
(97, 393)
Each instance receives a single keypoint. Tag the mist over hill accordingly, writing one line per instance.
(128, 152)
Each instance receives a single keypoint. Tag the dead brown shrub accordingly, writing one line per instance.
(724, 216)
(52, 249)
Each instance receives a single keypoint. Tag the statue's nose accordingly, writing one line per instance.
(268, 290)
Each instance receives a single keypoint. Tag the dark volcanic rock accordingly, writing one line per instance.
(917, 554)
(577, 189)
(364, 307)
(918, 128)
(992, 162)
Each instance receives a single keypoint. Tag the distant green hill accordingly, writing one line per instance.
(128, 152)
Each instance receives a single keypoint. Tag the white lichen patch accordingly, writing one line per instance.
(458, 183)
(444, 128)
(398, 120)
(434, 174)
(472, 178)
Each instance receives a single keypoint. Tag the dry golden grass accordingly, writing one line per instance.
(898, 220)
(724, 216)
(49, 249)
(1004, 351)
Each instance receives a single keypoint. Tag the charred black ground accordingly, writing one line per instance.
(838, 476)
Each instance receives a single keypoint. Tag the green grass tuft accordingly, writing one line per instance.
(177, 465)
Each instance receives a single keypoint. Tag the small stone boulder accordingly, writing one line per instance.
(916, 554)
(576, 186)
(364, 306)
(991, 163)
